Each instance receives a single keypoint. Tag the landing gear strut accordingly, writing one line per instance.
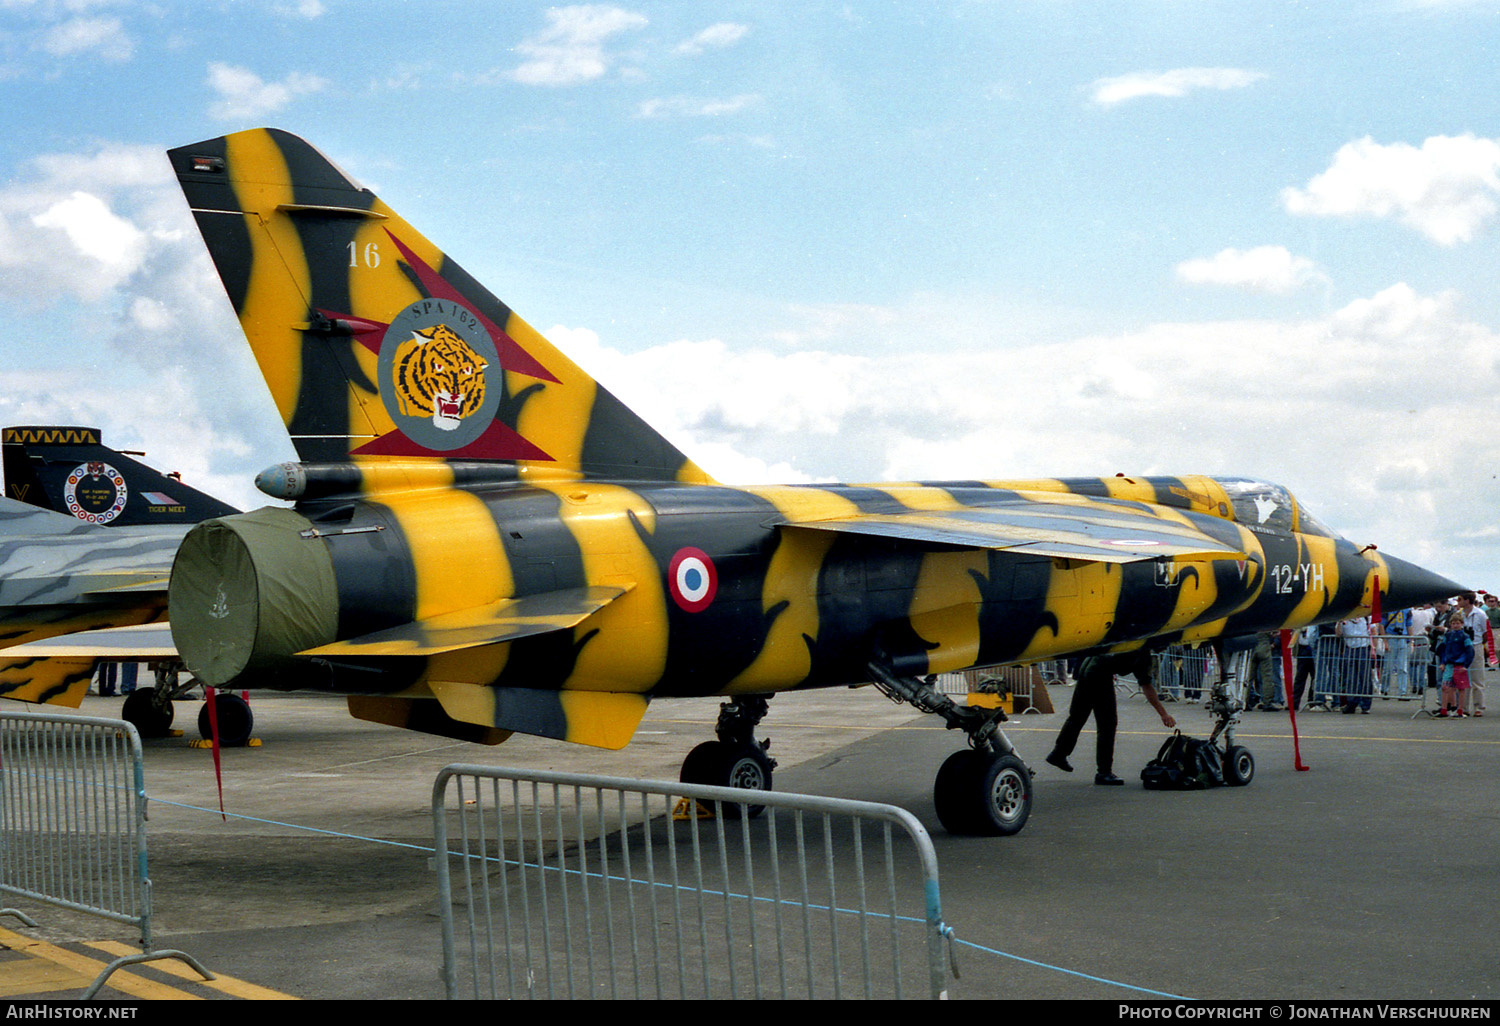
(985, 789)
(150, 710)
(736, 759)
(1225, 703)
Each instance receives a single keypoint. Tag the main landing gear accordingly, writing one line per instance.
(985, 789)
(151, 711)
(736, 759)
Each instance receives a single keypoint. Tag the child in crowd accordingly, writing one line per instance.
(1455, 653)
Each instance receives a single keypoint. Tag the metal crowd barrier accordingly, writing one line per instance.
(1385, 666)
(1389, 666)
(73, 823)
(573, 886)
(1184, 673)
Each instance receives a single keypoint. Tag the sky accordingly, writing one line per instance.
(828, 241)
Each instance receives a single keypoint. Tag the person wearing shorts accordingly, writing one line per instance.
(1454, 655)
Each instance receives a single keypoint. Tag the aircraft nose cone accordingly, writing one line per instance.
(1410, 585)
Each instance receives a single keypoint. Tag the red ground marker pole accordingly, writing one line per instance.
(1291, 706)
(213, 730)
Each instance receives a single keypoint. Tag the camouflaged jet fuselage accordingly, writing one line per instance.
(502, 601)
(59, 576)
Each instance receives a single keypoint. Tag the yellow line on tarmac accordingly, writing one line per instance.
(1403, 740)
(32, 976)
(123, 981)
(226, 984)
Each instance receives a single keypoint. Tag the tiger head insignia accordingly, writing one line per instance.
(438, 375)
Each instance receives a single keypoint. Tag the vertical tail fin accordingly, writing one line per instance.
(375, 344)
(68, 470)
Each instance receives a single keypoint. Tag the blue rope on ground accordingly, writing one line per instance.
(293, 826)
(1071, 972)
(713, 893)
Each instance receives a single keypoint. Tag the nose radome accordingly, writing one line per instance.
(1411, 585)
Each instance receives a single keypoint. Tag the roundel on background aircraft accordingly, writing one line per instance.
(95, 492)
(692, 579)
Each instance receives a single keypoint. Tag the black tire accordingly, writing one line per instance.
(702, 764)
(953, 790)
(719, 764)
(140, 711)
(236, 721)
(1239, 766)
(982, 794)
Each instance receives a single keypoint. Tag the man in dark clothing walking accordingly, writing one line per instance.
(1095, 693)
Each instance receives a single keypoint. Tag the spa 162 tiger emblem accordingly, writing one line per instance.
(438, 375)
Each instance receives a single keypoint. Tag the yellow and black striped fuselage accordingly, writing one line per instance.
(763, 608)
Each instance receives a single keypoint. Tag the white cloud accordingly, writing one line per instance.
(1107, 92)
(244, 95)
(106, 281)
(212, 454)
(74, 230)
(1337, 408)
(1446, 189)
(1400, 314)
(570, 49)
(715, 37)
(113, 246)
(104, 38)
(1261, 269)
(694, 107)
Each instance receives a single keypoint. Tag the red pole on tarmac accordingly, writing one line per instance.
(1291, 706)
(213, 729)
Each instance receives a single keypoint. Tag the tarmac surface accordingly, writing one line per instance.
(1373, 875)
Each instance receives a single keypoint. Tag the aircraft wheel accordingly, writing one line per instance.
(719, 764)
(235, 720)
(1239, 766)
(141, 712)
(951, 792)
(983, 794)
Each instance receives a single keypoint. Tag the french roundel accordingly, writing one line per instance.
(692, 579)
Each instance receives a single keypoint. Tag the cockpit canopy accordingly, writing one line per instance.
(1263, 504)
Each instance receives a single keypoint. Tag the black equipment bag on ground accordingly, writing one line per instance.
(1184, 764)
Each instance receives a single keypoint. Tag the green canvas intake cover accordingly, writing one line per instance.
(248, 591)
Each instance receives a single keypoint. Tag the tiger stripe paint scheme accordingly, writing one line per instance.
(551, 570)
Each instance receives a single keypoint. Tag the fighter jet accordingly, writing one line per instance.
(485, 541)
(87, 537)
(70, 470)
